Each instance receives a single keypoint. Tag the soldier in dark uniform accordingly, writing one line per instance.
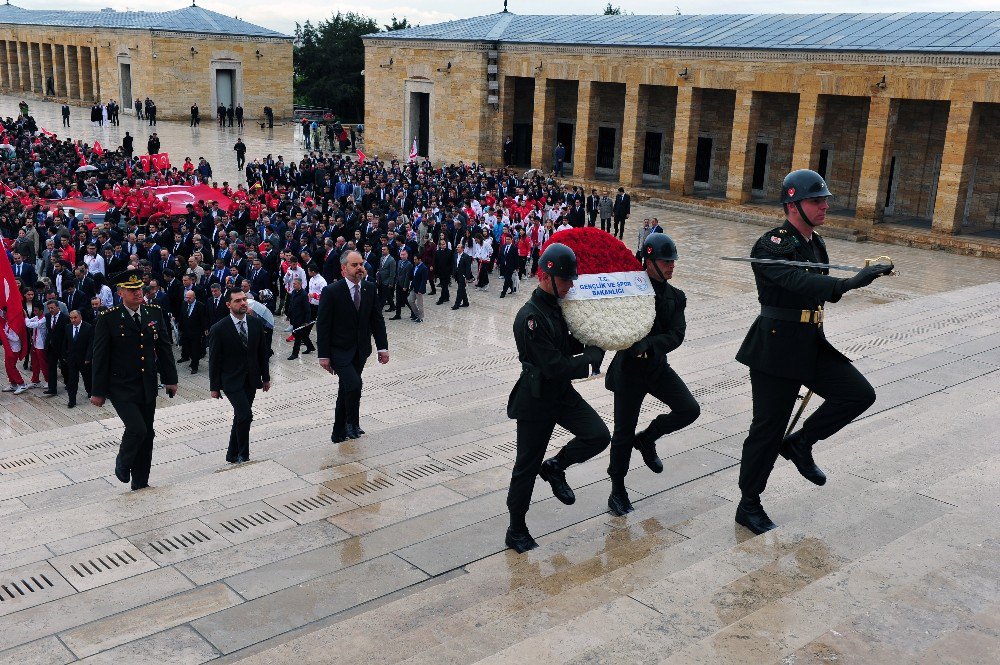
(786, 347)
(643, 370)
(544, 397)
(131, 344)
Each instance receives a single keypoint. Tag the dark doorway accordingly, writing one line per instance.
(651, 153)
(126, 81)
(824, 162)
(703, 160)
(564, 135)
(606, 148)
(891, 183)
(521, 135)
(759, 168)
(423, 123)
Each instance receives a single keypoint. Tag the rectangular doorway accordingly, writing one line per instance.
(225, 86)
(125, 70)
(759, 169)
(606, 141)
(890, 190)
(564, 135)
(651, 153)
(420, 123)
(703, 160)
(824, 162)
(521, 136)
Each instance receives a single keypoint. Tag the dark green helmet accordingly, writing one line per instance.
(803, 184)
(659, 247)
(558, 260)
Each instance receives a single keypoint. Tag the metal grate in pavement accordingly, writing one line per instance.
(30, 585)
(422, 471)
(469, 457)
(308, 504)
(376, 484)
(20, 463)
(245, 523)
(101, 445)
(61, 454)
(97, 566)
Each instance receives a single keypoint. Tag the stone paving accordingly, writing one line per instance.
(389, 549)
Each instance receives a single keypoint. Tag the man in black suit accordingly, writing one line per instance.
(299, 315)
(507, 264)
(192, 325)
(56, 322)
(24, 271)
(576, 216)
(622, 209)
(78, 348)
(349, 316)
(260, 278)
(238, 366)
(444, 264)
(217, 309)
(593, 207)
(462, 276)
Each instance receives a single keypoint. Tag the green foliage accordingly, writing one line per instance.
(328, 59)
(612, 11)
(397, 24)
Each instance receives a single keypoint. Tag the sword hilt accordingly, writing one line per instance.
(879, 259)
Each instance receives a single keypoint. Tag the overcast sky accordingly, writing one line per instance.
(283, 16)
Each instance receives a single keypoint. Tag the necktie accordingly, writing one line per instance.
(54, 319)
(76, 329)
(357, 297)
(243, 333)
(190, 310)
(138, 322)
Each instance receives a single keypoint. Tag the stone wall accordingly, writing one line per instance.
(845, 120)
(717, 124)
(918, 143)
(984, 204)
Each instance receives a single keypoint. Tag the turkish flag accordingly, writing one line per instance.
(10, 302)
(361, 157)
(161, 161)
(145, 160)
(178, 196)
(98, 150)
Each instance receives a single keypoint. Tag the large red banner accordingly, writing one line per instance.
(178, 196)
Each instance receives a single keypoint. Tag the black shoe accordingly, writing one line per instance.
(519, 541)
(503, 295)
(183, 360)
(121, 473)
(139, 486)
(194, 370)
(308, 351)
(395, 318)
(619, 503)
(750, 513)
(357, 428)
(465, 304)
(800, 453)
(455, 307)
(338, 438)
(352, 433)
(71, 405)
(231, 460)
(552, 474)
(293, 357)
(648, 450)
(242, 458)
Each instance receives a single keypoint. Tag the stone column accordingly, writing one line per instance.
(86, 73)
(95, 74)
(12, 64)
(634, 134)
(808, 131)
(4, 65)
(874, 164)
(687, 121)
(746, 121)
(66, 71)
(543, 132)
(585, 136)
(72, 72)
(956, 167)
(24, 58)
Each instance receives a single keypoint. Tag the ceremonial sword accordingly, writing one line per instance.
(809, 264)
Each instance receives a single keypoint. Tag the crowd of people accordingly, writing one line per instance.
(422, 230)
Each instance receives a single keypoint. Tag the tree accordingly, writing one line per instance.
(612, 11)
(397, 24)
(327, 63)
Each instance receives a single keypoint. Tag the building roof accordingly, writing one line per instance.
(928, 32)
(189, 19)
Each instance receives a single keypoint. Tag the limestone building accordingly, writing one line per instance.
(175, 57)
(900, 112)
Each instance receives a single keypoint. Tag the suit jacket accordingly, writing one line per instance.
(298, 308)
(622, 205)
(27, 274)
(54, 340)
(404, 274)
(331, 266)
(444, 264)
(196, 324)
(127, 358)
(216, 312)
(261, 280)
(593, 204)
(387, 271)
(231, 366)
(507, 260)
(80, 350)
(420, 276)
(464, 268)
(343, 332)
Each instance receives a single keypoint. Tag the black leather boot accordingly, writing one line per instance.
(519, 541)
(552, 473)
(647, 449)
(800, 453)
(750, 513)
(619, 503)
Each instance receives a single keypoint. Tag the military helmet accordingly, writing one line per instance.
(803, 184)
(558, 260)
(659, 247)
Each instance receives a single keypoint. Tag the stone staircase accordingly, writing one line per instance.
(389, 549)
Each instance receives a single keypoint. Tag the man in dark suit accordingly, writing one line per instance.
(260, 278)
(238, 366)
(404, 277)
(72, 296)
(131, 346)
(593, 207)
(56, 323)
(622, 209)
(444, 264)
(299, 315)
(192, 324)
(78, 347)
(349, 316)
(216, 305)
(24, 271)
(462, 276)
(576, 215)
(507, 264)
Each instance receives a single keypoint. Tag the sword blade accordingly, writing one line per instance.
(801, 264)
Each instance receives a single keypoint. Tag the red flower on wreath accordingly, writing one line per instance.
(596, 251)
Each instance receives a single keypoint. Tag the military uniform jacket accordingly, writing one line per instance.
(666, 335)
(127, 358)
(788, 348)
(546, 351)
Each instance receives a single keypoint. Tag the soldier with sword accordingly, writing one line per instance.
(786, 347)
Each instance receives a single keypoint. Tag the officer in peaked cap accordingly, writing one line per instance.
(786, 347)
(131, 346)
(544, 397)
(643, 370)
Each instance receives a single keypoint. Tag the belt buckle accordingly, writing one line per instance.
(805, 316)
(818, 317)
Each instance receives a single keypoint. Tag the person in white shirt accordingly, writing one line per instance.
(316, 285)
(39, 333)
(94, 261)
(11, 354)
(294, 272)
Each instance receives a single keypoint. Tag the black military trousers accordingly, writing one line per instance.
(590, 437)
(462, 294)
(348, 408)
(846, 395)
(73, 374)
(663, 384)
(239, 435)
(136, 450)
(445, 292)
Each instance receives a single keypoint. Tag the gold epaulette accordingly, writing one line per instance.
(109, 310)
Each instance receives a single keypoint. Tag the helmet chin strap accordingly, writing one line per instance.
(802, 213)
(656, 266)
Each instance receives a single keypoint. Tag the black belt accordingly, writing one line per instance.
(794, 315)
